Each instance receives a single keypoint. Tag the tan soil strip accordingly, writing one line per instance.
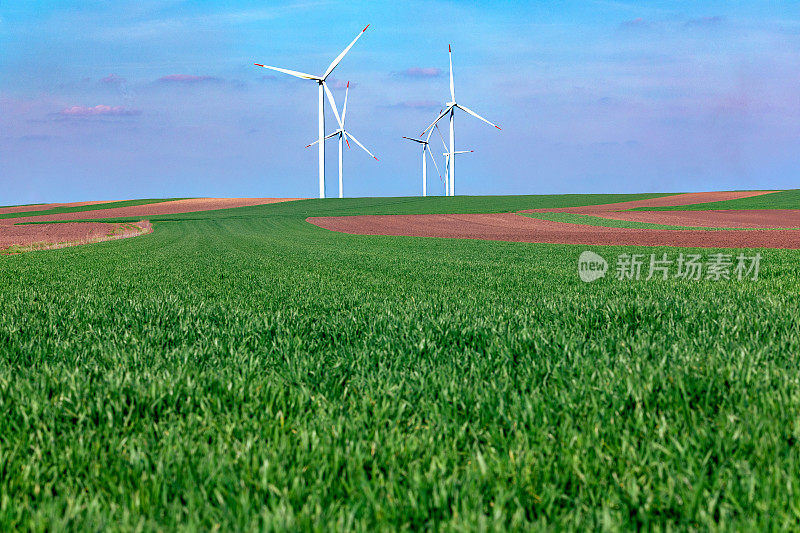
(760, 218)
(49, 236)
(663, 201)
(517, 228)
(13, 234)
(44, 207)
(172, 207)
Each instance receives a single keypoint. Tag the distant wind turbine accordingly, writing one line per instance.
(449, 157)
(323, 88)
(450, 108)
(425, 148)
(343, 134)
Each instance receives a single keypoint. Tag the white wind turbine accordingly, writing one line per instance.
(450, 108)
(425, 148)
(447, 159)
(323, 88)
(446, 156)
(343, 135)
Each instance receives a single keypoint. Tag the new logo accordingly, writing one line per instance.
(591, 266)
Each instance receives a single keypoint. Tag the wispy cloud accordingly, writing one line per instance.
(635, 24)
(705, 22)
(341, 84)
(112, 80)
(78, 111)
(186, 79)
(422, 105)
(36, 138)
(149, 28)
(421, 72)
(672, 23)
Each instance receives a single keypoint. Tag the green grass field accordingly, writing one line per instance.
(776, 200)
(246, 370)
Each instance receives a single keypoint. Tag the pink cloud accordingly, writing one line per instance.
(340, 84)
(706, 21)
(185, 78)
(112, 79)
(98, 110)
(422, 72)
(417, 104)
(636, 24)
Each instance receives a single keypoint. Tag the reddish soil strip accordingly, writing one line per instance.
(663, 201)
(41, 236)
(757, 218)
(514, 227)
(172, 207)
(11, 233)
(43, 207)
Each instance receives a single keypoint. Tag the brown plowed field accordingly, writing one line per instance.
(760, 218)
(11, 233)
(69, 233)
(43, 207)
(514, 227)
(172, 207)
(688, 198)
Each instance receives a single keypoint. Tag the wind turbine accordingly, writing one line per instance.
(449, 157)
(450, 109)
(323, 88)
(446, 159)
(343, 134)
(425, 148)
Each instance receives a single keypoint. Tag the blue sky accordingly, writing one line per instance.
(160, 98)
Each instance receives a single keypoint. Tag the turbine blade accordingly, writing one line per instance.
(415, 140)
(329, 94)
(348, 134)
(344, 52)
(440, 117)
(428, 138)
(330, 135)
(442, 138)
(474, 114)
(427, 148)
(452, 86)
(294, 73)
(344, 111)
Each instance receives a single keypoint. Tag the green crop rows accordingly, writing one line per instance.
(246, 370)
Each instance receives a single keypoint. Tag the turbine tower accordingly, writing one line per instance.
(450, 109)
(323, 89)
(343, 134)
(425, 148)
